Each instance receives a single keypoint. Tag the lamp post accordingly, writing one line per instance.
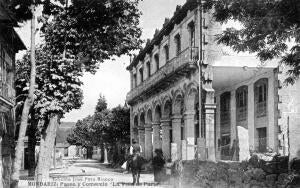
(200, 65)
(201, 141)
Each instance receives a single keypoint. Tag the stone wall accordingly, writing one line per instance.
(253, 173)
(289, 116)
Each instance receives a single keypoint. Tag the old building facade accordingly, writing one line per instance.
(243, 104)
(10, 43)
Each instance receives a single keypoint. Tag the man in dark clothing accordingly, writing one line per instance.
(158, 165)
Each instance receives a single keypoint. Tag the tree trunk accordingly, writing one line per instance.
(1, 165)
(31, 148)
(46, 149)
(105, 155)
(102, 153)
(27, 105)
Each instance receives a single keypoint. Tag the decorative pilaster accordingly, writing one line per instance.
(250, 119)
(210, 107)
(218, 128)
(273, 130)
(156, 135)
(148, 142)
(142, 139)
(176, 139)
(189, 125)
(166, 142)
(233, 127)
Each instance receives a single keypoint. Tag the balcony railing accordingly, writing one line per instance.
(7, 92)
(225, 117)
(261, 109)
(225, 152)
(171, 71)
(261, 144)
(242, 113)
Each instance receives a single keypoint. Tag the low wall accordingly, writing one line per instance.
(253, 173)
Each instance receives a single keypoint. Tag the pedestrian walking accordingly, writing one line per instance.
(158, 165)
(168, 167)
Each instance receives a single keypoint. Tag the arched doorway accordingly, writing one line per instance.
(190, 121)
(135, 127)
(156, 128)
(166, 129)
(177, 125)
(148, 135)
(142, 132)
(225, 126)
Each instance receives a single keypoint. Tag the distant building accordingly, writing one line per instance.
(245, 106)
(96, 153)
(62, 147)
(10, 44)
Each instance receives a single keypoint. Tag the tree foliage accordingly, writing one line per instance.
(101, 104)
(77, 38)
(103, 127)
(93, 31)
(268, 27)
(57, 83)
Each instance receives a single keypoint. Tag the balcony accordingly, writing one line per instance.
(242, 113)
(7, 93)
(261, 109)
(172, 71)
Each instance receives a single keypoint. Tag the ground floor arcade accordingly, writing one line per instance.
(242, 118)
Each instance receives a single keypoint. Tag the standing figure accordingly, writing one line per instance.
(168, 166)
(84, 152)
(158, 165)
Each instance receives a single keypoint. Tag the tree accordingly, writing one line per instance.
(119, 133)
(26, 106)
(119, 125)
(105, 128)
(79, 36)
(101, 104)
(57, 92)
(89, 131)
(268, 27)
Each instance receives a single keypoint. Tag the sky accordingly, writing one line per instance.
(112, 79)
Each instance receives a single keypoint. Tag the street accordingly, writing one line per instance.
(90, 171)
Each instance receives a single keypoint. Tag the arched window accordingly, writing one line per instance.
(166, 48)
(148, 69)
(134, 80)
(156, 59)
(225, 125)
(241, 103)
(178, 44)
(225, 108)
(191, 28)
(261, 93)
(141, 74)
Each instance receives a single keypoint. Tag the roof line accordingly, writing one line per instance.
(167, 28)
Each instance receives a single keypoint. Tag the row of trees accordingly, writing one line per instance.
(80, 34)
(77, 35)
(105, 128)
